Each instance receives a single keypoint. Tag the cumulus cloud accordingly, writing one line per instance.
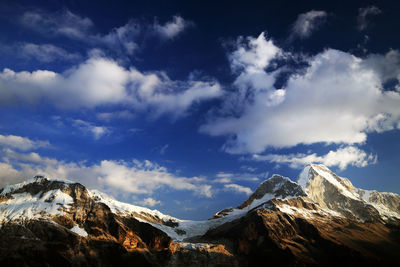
(364, 14)
(341, 158)
(336, 99)
(171, 28)
(21, 143)
(137, 177)
(238, 188)
(149, 202)
(387, 66)
(307, 23)
(248, 62)
(100, 81)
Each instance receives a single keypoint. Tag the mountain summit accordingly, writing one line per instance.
(336, 193)
(58, 222)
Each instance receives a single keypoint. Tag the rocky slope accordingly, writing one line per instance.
(321, 219)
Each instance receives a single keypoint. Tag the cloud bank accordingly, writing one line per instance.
(101, 82)
(118, 177)
(341, 158)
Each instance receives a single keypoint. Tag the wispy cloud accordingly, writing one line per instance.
(307, 23)
(41, 52)
(89, 128)
(238, 188)
(123, 40)
(149, 202)
(62, 22)
(172, 28)
(227, 177)
(115, 115)
(364, 14)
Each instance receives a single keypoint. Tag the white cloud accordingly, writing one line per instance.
(101, 82)
(137, 177)
(171, 28)
(343, 157)
(32, 157)
(364, 14)
(386, 66)
(149, 202)
(87, 127)
(21, 143)
(248, 62)
(223, 178)
(9, 175)
(307, 23)
(238, 188)
(337, 99)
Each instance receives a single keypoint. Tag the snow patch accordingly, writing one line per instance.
(24, 206)
(324, 172)
(306, 213)
(304, 177)
(79, 231)
(127, 209)
(37, 179)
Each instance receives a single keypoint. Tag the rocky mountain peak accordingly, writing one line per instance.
(275, 187)
(337, 193)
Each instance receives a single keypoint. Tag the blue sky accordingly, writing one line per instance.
(186, 107)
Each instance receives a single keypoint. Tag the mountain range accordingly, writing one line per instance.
(320, 220)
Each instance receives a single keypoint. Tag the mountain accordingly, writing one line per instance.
(321, 219)
(338, 194)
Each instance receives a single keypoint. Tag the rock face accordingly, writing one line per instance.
(320, 220)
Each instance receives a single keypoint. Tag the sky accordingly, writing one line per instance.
(187, 106)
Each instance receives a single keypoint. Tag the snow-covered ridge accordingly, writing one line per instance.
(126, 209)
(276, 186)
(18, 204)
(36, 179)
(24, 206)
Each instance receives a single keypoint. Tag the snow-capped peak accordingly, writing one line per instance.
(337, 193)
(311, 171)
(276, 186)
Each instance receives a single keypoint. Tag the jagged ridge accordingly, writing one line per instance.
(306, 221)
